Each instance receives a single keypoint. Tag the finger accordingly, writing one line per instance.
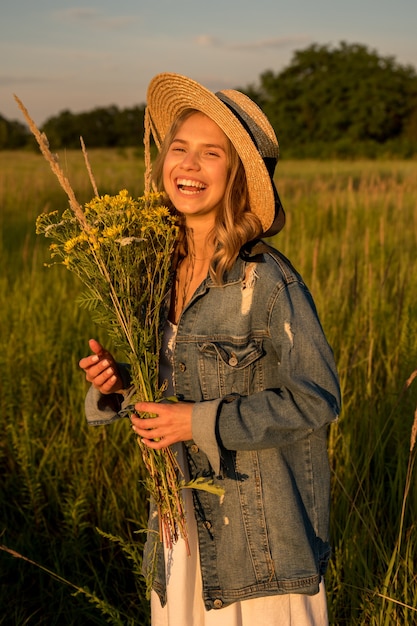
(144, 426)
(96, 347)
(150, 408)
(96, 367)
(90, 360)
(109, 385)
(142, 422)
(100, 374)
(155, 444)
(87, 361)
(151, 437)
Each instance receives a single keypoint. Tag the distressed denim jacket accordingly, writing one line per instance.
(252, 356)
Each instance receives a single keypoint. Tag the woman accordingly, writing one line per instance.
(245, 353)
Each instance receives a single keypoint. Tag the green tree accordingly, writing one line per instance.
(101, 127)
(13, 134)
(347, 94)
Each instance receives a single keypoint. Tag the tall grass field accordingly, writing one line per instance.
(72, 505)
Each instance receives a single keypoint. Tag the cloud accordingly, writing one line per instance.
(94, 17)
(206, 41)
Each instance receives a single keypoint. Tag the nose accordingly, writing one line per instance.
(191, 160)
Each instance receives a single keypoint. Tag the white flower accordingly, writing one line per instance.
(126, 241)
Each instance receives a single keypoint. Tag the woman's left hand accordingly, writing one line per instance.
(170, 422)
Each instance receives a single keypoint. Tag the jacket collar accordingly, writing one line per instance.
(249, 253)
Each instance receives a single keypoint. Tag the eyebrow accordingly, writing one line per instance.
(206, 145)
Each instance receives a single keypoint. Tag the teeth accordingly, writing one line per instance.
(184, 182)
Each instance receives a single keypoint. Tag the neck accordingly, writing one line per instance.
(200, 244)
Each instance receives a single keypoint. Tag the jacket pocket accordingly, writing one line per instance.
(230, 366)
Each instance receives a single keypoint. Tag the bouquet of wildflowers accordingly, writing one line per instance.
(122, 253)
(121, 249)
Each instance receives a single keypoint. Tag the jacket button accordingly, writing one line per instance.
(194, 448)
(233, 360)
(207, 524)
(182, 367)
(217, 603)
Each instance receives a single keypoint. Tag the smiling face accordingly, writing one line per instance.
(196, 168)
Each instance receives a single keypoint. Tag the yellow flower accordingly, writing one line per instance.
(112, 232)
(70, 244)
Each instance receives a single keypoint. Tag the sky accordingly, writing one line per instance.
(57, 55)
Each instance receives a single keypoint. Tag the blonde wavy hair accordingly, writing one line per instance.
(235, 223)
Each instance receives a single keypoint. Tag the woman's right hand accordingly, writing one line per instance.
(101, 369)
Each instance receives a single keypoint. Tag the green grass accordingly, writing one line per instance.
(70, 496)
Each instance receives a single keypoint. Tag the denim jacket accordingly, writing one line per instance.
(252, 356)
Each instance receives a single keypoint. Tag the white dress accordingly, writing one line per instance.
(185, 606)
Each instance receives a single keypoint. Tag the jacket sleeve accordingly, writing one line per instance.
(305, 395)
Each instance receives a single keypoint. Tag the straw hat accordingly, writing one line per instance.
(243, 123)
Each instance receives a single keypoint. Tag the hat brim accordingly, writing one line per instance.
(170, 94)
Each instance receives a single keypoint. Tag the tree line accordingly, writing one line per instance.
(103, 127)
(328, 102)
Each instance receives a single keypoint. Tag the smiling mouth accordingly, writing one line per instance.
(190, 187)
